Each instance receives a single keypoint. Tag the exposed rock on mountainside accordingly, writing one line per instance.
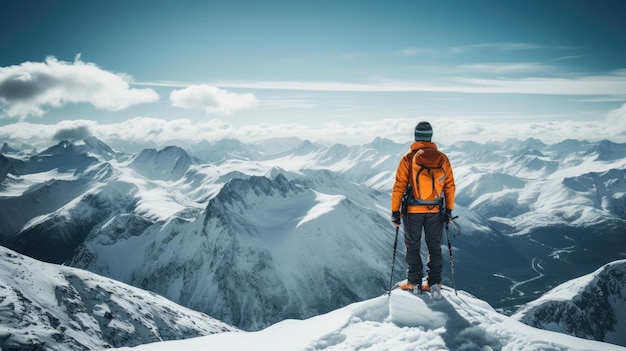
(48, 307)
(591, 307)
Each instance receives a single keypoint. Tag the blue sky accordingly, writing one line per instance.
(333, 71)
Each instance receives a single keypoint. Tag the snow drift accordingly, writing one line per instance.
(401, 321)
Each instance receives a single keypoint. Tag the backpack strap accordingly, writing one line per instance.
(408, 192)
(411, 166)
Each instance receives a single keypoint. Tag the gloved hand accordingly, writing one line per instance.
(447, 215)
(395, 218)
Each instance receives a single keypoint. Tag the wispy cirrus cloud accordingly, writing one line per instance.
(462, 49)
(503, 46)
(208, 97)
(509, 68)
(28, 88)
(612, 84)
(211, 99)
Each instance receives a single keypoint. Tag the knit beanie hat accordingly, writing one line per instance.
(423, 132)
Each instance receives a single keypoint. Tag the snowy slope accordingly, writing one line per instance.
(591, 307)
(401, 321)
(264, 250)
(45, 306)
(171, 163)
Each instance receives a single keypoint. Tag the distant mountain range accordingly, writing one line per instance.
(252, 234)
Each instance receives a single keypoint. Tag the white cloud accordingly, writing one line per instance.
(452, 130)
(447, 131)
(617, 117)
(211, 99)
(75, 132)
(27, 89)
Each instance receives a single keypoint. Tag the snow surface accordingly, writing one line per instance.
(401, 321)
(324, 204)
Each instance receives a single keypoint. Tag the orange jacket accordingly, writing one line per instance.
(402, 180)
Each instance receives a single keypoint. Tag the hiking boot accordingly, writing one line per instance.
(429, 288)
(436, 287)
(407, 286)
(435, 291)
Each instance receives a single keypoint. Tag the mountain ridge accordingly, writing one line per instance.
(590, 307)
(51, 307)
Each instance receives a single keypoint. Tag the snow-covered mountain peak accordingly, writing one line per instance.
(6, 149)
(305, 148)
(570, 146)
(528, 152)
(240, 194)
(49, 307)
(603, 190)
(385, 145)
(9, 165)
(609, 151)
(224, 150)
(592, 306)
(88, 146)
(260, 186)
(100, 148)
(169, 163)
(65, 157)
(274, 172)
(272, 146)
(60, 148)
(257, 234)
(517, 144)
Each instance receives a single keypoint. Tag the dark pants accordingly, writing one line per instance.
(432, 223)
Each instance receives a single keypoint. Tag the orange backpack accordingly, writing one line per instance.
(428, 177)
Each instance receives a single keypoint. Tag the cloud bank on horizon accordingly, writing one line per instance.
(327, 72)
(184, 132)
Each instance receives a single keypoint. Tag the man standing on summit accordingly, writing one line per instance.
(424, 192)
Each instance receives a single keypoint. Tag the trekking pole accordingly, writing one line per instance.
(450, 252)
(393, 262)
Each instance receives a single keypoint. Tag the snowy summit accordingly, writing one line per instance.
(401, 321)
